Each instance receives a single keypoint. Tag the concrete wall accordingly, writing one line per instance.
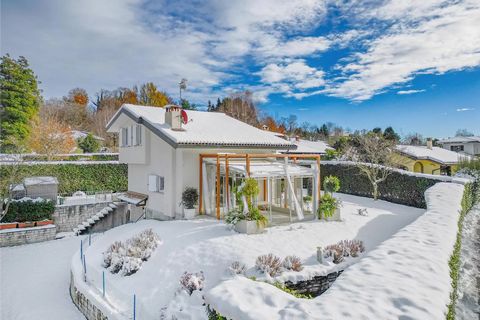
(67, 217)
(116, 218)
(89, 310)
(15, 237)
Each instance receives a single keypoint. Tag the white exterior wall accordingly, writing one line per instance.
(132, 154)
(472, 148)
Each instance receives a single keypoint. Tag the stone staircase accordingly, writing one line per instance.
(90, 222)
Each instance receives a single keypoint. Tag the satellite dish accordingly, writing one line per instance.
(184, 117)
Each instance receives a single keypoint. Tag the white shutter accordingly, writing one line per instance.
(153, 183)
(134, 135)
(139, 135)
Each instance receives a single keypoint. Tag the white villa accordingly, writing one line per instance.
(468, 145)
(169, 149)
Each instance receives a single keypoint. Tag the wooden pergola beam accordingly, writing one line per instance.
(200, 185)
(218, 188)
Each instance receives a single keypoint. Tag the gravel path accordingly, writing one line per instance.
(468, 304)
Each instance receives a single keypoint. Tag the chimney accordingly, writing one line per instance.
(429, 143)
(173, 117)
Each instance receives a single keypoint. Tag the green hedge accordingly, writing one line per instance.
(398, 188)
(76, 157)
(471, 195)
(21, 211)
(74, 177)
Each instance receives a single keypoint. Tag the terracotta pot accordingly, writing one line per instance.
(8, 225)
(43, 223)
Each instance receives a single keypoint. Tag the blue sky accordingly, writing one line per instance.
(413, 65)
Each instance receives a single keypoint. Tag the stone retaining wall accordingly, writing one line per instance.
(315, 286)
(67, 217)
(15, 237)
(86, 307)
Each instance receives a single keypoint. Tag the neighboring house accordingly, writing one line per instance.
(76, 134)
(169, 149)
(468, 145)
(427, 159)
(310, 147)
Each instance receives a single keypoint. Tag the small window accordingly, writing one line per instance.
(124, 137)
(156, 183)
(457, 148)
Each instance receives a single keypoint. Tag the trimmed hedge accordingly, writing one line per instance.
(398, 188)
(74, 177)
(73, 157)
(29, 210)
(471, 195)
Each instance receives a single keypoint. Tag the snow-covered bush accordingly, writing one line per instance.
(127, 257)
(344, 248)
(130, 265)
(237, 268)
(292, 263)
(269, 263)
(192, 281)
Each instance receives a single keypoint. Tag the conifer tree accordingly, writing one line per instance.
(19, 100)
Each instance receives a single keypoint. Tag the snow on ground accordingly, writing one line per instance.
(405, 277)
(468, 306)
(209, 246)
(34, 281)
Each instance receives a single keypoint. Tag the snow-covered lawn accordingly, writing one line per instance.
(209, 246)
(34, 281)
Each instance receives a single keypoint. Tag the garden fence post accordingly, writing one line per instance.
(103, 282)
(81, 250)
(134, 306)
(90, 238)
(85, 268)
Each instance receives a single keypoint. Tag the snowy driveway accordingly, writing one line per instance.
(34, 281)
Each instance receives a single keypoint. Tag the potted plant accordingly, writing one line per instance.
(308, 202)
(329, 206)
(250, 220)
(189, 200)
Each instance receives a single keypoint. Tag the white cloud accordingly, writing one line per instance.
(432, 38)
(291, 77)
(410, 91)
(464, 109)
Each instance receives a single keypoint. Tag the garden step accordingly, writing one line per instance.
(112, 205)
(76, 231)
(86, 224)
(96, 217)
(91, 221)
(109, 209)
(81, 227)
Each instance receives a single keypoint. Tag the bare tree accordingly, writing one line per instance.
(11, 176)
(372, 154)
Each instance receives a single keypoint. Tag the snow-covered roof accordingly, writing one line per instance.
(436, 154)
(210, 129)
(312, 147)
(461, 139)
(30, 181)
(76, 134)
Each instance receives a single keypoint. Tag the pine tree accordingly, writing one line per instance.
(390, 134)
(20, 101)
(89, 144)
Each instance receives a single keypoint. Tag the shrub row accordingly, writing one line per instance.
(75, 157)
(74, 177)
(29, 210)
(471, 195)
(398, 188)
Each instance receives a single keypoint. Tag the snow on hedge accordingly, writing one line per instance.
(209, 246)
(405, 277)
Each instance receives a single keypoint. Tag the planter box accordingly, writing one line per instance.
(8, 225)
(26, 224)
(189, 213)
(43, 223)
(248, 227)
(336, 216)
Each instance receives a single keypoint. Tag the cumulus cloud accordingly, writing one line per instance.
(432, 38)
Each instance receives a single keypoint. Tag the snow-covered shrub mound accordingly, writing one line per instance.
(344, 248)
(237, 268)
(269, 264)
(127, 257)
(292, 263)
(191, 282)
